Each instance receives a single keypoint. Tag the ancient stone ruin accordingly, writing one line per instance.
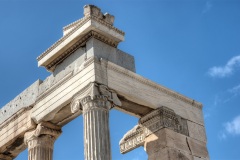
(90, 76)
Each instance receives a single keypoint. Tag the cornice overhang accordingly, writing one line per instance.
(80, 32)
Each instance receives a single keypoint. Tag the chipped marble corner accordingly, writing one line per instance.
(96, 12)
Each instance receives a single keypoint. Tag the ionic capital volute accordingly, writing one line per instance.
(43, 129)
(94, 92)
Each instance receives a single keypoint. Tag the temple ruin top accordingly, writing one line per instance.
(89, 72)
(93, 24)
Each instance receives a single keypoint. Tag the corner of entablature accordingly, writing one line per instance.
(160, 118)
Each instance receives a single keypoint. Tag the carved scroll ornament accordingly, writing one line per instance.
(43, 129)
(162, 117)
(97, 93)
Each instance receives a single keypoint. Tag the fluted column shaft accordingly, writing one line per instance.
(41, 148)
(40, 142)
(96, 128)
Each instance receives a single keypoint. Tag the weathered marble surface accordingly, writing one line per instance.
(165, 134)
(12, 132)
(169, 145)
(25, 99)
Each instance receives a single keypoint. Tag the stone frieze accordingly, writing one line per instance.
(162, 117)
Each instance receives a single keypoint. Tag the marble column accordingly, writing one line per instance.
(40, 141)
(94, 102)
(96, 127)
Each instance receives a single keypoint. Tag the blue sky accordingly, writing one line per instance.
(190, 46)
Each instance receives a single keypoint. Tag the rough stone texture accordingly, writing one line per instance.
(196, 131)
(95, 11)
(198, 148)
(101, 50)
(24, 99)
(167, 145)
(167, 154)
(198, 158)
(166, 138)
(4, 157)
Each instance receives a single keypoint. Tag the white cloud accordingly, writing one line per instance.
(235, 90)
(233, 127)
(224, 71)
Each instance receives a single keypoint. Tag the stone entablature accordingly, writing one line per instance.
(162, 117)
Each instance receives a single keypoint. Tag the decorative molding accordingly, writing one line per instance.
(78, 25)
(73, 24)
(94, 92)
(162, 117)
(45, 141)
(79, 44)
(104, 39)
(43, 128)
(165, 90)
(98, 102)
(84, 20)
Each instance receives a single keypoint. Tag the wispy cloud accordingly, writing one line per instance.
(222, 136)
(227, 70)
(207, 7)
(230, 128)
(235, 90)
(220, 100)
(233, 127)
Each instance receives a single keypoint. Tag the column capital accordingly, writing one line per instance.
(40, 141)
(95, 103)
(93, 93)
(44, 129)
